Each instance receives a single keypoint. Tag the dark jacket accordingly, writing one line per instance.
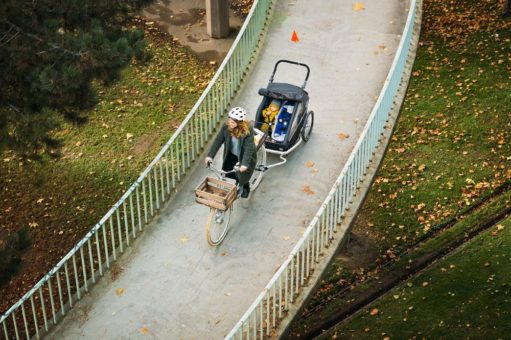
(248, 154)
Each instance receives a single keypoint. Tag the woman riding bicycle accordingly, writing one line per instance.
(237, 136)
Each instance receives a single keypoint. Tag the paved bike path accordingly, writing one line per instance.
(171, 284)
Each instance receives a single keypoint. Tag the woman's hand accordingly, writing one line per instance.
(208, 161)
(243, 168)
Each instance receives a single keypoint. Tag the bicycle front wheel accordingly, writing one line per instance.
(217, 225)
(257, 176)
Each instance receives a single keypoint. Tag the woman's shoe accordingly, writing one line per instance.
(246, 190)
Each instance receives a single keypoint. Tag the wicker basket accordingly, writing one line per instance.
(215, 193)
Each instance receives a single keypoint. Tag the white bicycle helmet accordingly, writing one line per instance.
(238, 113)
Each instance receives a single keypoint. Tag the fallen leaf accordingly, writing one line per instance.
(343, 135)
(285, 237)
(33, 224)
(40, 200)
(307, 189)
(224, 253)
(183, 240)
(309, 164)
(500, 227)
(129, 136)
(358, 6)
(144, 330)
(119, 291)
(374, 311)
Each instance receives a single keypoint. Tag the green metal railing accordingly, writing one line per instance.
(59, 290)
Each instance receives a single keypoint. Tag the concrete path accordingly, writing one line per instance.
(172, 284)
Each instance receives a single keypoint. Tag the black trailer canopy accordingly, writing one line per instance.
(285, 91)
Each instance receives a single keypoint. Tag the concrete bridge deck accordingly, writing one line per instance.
(171, 284)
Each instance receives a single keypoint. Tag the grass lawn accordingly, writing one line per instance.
(61, 198)
(465, 295)
(451, 145)
(451, 149)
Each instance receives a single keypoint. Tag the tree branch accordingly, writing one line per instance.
(53, 45)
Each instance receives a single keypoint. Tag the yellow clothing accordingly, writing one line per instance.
(270, 113)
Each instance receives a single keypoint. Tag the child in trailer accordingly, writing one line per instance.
(270, 113)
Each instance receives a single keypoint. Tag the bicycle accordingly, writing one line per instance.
(220, 194)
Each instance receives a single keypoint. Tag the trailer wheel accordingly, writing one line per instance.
(307, 126)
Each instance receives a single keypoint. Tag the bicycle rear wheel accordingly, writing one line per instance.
(257, 176)
(217, 225)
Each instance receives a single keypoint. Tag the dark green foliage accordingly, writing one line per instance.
(11, 245)
(50, 53)
(23, 239)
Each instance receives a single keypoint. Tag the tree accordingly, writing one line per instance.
(507, 7)
(50, 53)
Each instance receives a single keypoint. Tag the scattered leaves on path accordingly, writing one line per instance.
(358, 6)
(307, 189)
(144, 330)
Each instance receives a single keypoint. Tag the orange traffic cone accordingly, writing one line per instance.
(294, 37)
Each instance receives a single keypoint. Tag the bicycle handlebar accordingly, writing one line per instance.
(221, 173)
